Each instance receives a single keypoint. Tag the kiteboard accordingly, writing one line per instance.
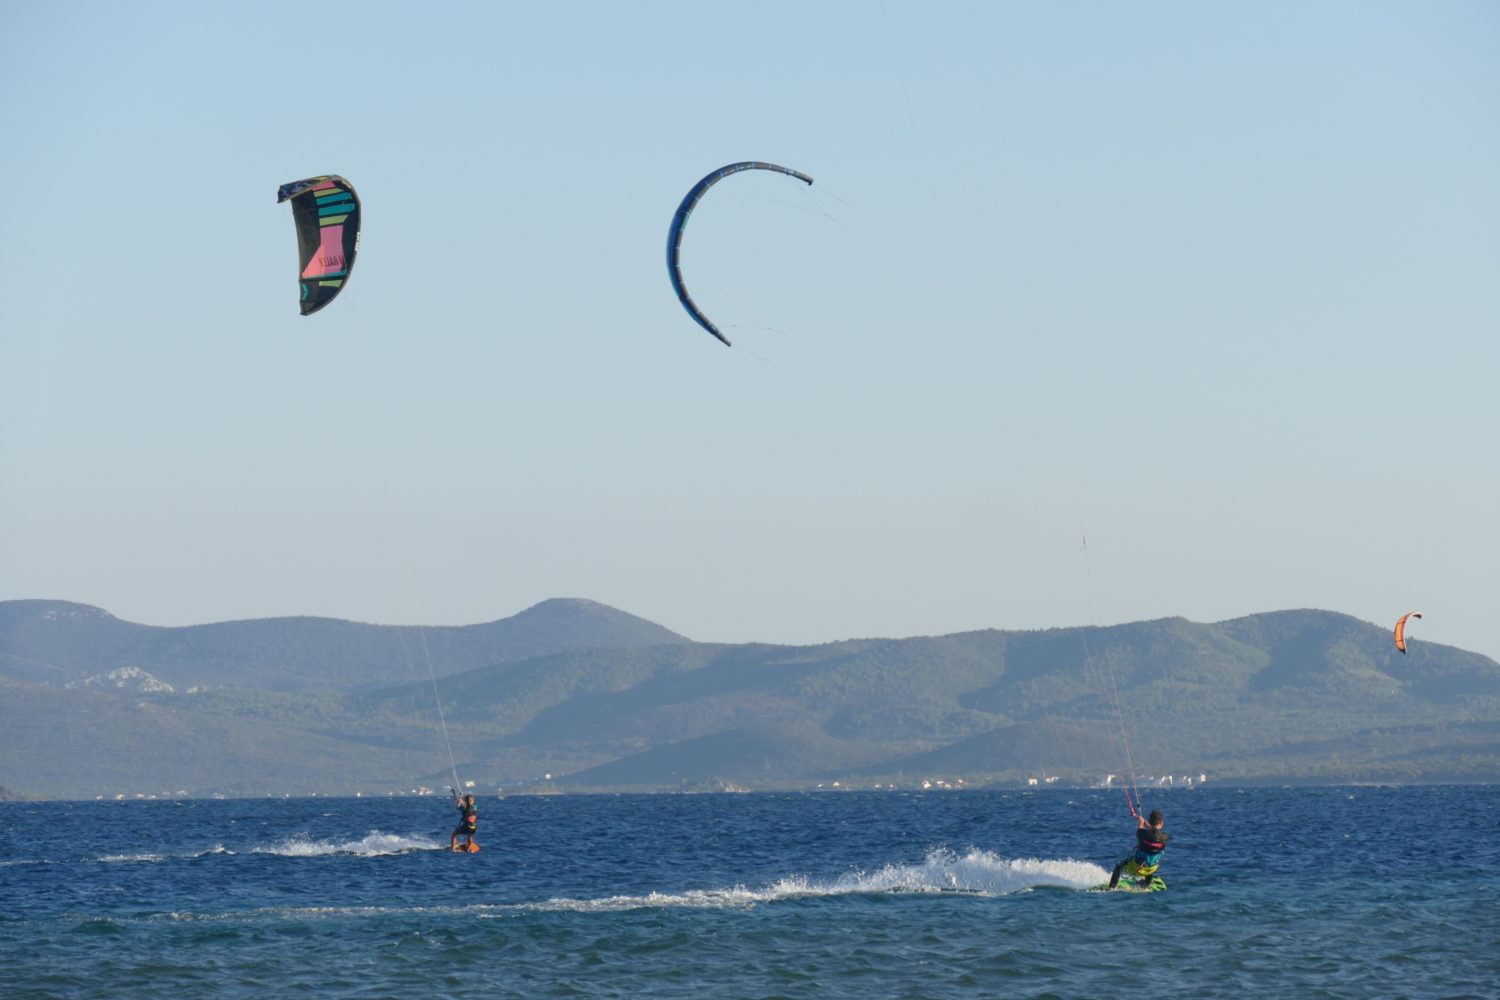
(1131, 885)
(465, 849)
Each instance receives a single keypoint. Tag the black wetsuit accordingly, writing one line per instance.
(468, 822)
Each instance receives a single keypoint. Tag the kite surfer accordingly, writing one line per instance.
(468, 825)
(1150, 842)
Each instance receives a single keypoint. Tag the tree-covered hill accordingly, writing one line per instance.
(58, 643)
(598, 699)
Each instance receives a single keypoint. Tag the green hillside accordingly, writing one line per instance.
(1293, 695)
(55, 642)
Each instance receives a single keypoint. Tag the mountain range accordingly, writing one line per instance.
(574, 695)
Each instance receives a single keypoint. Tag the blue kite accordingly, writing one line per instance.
(679, 222)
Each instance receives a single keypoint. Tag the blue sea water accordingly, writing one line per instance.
(1347, 892)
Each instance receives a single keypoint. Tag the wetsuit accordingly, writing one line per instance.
(468, 822)
(1142, 862)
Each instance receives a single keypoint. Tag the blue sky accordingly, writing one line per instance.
(1211, 285)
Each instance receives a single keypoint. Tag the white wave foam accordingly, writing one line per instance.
(976, 871)
(372, 844)
(981, 872)
(216, 849)
(945, 871)
(721, 899)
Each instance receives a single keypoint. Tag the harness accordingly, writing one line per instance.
(1148, 850)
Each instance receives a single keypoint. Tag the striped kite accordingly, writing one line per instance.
(326, 211)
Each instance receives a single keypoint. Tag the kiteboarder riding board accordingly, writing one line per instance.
(468, 825)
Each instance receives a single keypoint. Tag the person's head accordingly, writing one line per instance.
(469, 800)
(1155, 819)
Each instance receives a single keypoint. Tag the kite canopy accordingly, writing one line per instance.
(679, 221)
(326, 212)
(1401, 629)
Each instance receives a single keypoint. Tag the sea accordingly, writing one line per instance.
(1340, 892)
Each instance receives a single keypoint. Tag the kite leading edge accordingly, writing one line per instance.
(679, 221)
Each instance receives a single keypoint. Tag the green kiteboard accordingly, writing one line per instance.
(1132, 885)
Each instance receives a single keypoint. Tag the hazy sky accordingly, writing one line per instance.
(1211, 285)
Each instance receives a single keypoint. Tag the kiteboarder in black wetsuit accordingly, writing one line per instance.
(1150, 842)
(468, 824)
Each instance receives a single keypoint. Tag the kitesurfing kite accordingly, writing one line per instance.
(326, 211)
(1401, 629)
(679, 221)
